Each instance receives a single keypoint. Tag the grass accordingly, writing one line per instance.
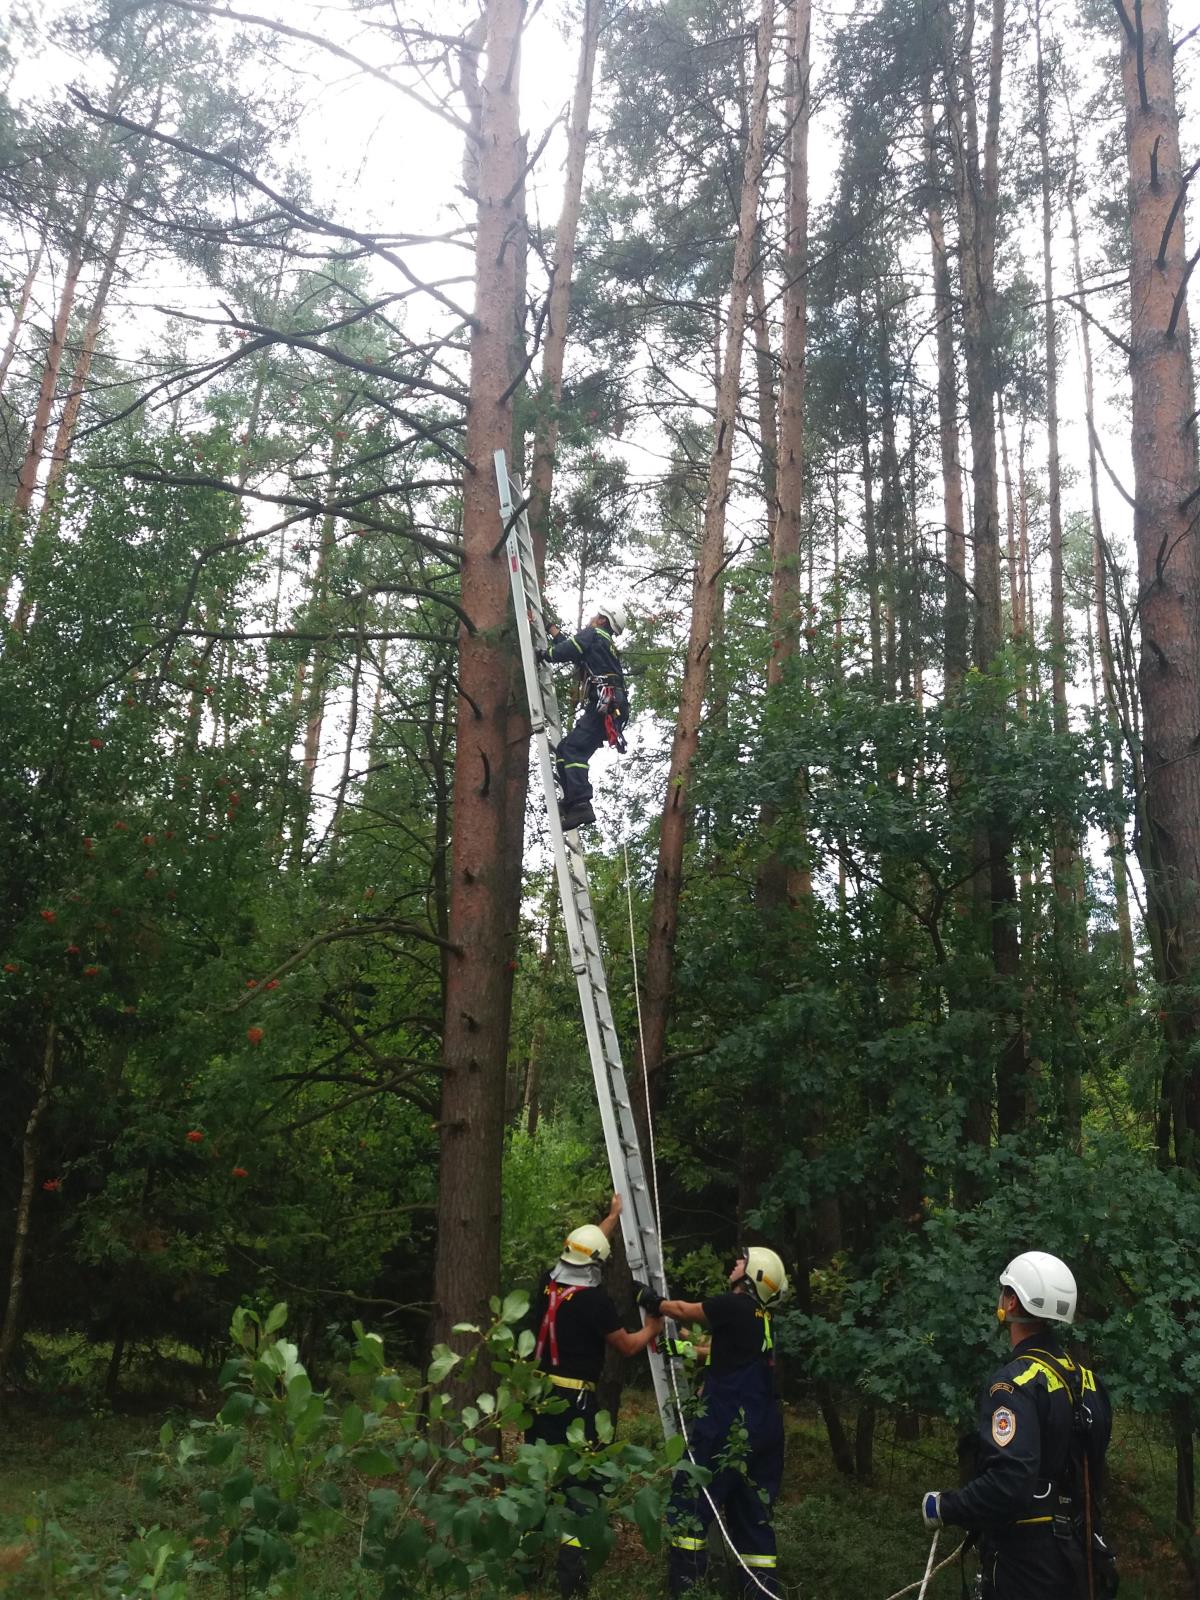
(838, 1540)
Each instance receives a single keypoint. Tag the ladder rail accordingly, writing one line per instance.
(639, 1226)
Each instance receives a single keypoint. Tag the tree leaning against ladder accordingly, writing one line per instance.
(639, 1226)
(639, 1223)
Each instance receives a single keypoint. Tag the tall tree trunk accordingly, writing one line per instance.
(27, 475)
(1167, 494)
(778, 882)
(768, 416)
(545, 440)
(478, 977)
(1058, 639)
(30, 1151)
(668, 878)
(1108, 685)
(74, 396)
(22, 306)
(977, 174)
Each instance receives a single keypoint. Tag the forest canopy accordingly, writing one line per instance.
(850, 352)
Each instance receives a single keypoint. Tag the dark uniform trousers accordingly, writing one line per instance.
(744, 1494)
(592, 650)
(552, 1429)
(1026, 1564)
(576, 750)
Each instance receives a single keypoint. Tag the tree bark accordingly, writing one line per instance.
(27, 475)
(779, 883)
(668, 878)
(73, 401)
(478, 975)
(1107, 677)
(22, 306)
(545, 440)
(1167, 504)
(11, 1331)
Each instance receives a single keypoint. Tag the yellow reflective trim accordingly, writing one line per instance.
(568, 1383)
(574, 1543)
(759, 1561)
(1089, 1379)
(1053, 1381)
(683, 1543)
(1028, 1522)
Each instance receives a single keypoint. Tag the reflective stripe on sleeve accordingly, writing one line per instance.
(758, 1561)
(680, 1541)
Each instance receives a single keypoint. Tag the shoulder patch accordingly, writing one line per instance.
(1001, 1388)
(1004, 1426)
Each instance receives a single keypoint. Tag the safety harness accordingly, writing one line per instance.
(557, 1297)
(604, 686)
(1095, 1564)
(548, 1331)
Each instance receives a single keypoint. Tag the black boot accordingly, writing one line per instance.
(576, 815)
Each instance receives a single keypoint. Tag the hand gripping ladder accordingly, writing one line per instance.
(643, 1247)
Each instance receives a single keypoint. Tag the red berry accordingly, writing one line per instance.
(120, 827)
(96, 744)
(52, 1185)
(255, 1035)
(48, 916)
(89, 844)
(72, 949)
(274, 984)
(148, 839)
(252, 983)
(194, 1136)
(91, 972)
(240, 1172)
(12, 966)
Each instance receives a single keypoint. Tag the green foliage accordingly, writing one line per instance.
(553, 1181)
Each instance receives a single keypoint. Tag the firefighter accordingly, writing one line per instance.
(605, 710)
(1044, 1427)
(738, 1388)
(576, 1320)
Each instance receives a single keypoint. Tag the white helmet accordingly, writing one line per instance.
(1044, 1285)
(615, 612)
(584, 1245)
(765, 1274)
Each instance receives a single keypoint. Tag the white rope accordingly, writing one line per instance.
(930, 1570)
(929, 1563)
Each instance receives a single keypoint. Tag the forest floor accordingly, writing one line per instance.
(68, 1484)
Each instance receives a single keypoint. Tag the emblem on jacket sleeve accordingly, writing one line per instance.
(1004, 1426)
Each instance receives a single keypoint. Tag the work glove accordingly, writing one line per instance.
(541, 655)
(677, 1349)
(649, 1300)
(931, 1509)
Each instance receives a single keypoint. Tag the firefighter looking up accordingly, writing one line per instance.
(605, 710)
(1044, 1427)
(577, 1321)
(738, 1388)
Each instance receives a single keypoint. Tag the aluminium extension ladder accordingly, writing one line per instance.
(639, 1229)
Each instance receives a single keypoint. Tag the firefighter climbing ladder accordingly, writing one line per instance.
(639, 1227)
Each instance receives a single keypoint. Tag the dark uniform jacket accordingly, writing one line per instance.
(1026, 1420)
(592, 650)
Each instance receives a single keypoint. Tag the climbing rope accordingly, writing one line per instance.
(930, 1570)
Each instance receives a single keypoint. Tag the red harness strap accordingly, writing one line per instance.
(549, 1327)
